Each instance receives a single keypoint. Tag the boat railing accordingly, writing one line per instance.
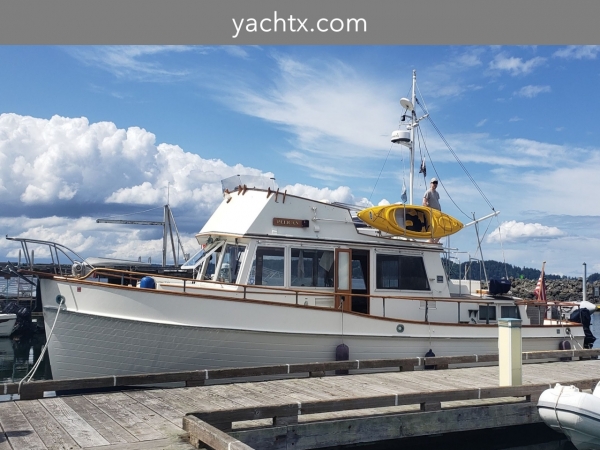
(60, 255)
(280, 294)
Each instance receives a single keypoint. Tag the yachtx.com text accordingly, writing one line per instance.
(291, 24)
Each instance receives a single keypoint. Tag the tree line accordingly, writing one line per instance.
(497, 270)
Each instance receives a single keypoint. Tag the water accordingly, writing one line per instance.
(17, 358)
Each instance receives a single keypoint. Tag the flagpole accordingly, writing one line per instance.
(540, 289)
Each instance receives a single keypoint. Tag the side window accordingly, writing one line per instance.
(358, 278)
(509, 312)
(401, 272)
(230, 266)
(487, 312)
(268, 267)
(312, 267)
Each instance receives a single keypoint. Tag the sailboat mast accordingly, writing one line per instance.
(411, 147)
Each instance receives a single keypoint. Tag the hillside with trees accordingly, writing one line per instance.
(498, 270)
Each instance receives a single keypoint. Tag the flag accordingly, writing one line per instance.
(423, 168)
(540, 289)
(403, 196)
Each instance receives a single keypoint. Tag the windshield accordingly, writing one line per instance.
(194, 261)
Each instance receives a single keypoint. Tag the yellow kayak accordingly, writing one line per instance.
(410, 221)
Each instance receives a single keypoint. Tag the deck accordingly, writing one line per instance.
(299, 413)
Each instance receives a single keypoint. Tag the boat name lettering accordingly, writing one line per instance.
(297, 223)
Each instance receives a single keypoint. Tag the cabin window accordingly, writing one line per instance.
(487, 312)
(207, 263)
(401, 272)
(268, 267)
(509, 312)
(210, 265)
(312, 267)
(230, 266)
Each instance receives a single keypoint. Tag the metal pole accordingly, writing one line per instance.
(164, 249)
(412, 137)
(584, 280)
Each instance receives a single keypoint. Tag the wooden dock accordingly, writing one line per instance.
(299, 413)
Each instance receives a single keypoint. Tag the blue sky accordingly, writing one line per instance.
(89, 132)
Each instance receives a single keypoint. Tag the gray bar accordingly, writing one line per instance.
(386, 22)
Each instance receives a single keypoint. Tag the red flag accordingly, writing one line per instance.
(540, 289)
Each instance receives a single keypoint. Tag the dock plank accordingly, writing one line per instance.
(18, 429)
(105, 425)
(81, 431)
(160, 444)
(156, 404)
(126, 418)
(47, 427)
(149, 416)
(4, 444)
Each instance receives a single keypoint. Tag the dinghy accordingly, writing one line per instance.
(411, 221)
(576, 414)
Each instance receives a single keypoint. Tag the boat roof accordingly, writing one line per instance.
(250, 212)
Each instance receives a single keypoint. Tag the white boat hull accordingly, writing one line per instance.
(100, 331)
(7, 323)
(576, 414)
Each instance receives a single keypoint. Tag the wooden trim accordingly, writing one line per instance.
(343, 297)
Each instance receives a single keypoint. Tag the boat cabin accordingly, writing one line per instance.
(315, 254)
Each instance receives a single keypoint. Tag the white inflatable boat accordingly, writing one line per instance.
(576, 414)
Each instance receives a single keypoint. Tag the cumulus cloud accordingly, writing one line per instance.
(70, 161)
(342, 194)
(531, 91)
(83, 171)
(513, 231)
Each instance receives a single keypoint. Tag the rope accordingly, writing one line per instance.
(381, 171)
(555, 409)
(137, 212)
(502, 246)
(461, 165)
(27, 378)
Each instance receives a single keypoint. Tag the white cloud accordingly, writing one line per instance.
(342, 194)
(481, 123)
(132, 61)
(86, 169)
(531, 91)
(578, 52)
(516, 66)
(75, 163)
(512, 231)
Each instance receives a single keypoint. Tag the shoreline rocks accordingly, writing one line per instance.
(565, 290)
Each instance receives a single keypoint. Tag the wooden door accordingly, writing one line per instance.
(343, 279)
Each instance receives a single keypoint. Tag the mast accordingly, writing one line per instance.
(406, 134)
(413, 124)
